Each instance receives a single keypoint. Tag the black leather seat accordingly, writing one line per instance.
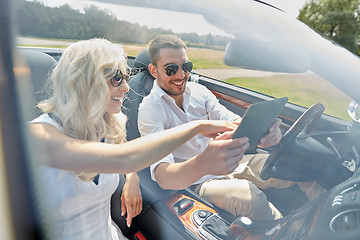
(40, 65)
(140, 86)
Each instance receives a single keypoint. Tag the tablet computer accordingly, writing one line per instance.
(258, 118)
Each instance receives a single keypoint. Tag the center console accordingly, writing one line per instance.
(203, 221)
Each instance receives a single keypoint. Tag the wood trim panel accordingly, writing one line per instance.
(186, 219)
(235, 101)
(245, 105)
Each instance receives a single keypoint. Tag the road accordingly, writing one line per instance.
(225, 73)
(40, 42)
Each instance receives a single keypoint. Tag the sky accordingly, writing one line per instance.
(154, 18)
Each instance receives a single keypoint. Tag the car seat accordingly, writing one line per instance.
(140, 86)
(40, 65)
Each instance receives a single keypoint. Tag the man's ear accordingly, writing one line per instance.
(152, 70)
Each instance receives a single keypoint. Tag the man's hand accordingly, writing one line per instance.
(223, 154)
(273, 136)
(131, 199)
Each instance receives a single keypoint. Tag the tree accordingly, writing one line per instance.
(209, 40)
(338, 20)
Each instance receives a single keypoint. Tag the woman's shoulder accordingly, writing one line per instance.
(121, 118)
(42, 118)
(46, 118)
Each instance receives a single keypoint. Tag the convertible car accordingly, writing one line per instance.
(315, 147)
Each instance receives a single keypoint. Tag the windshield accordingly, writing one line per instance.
(245, 43)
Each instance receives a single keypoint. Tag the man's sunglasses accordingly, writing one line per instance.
(117, 79)
(172, 69)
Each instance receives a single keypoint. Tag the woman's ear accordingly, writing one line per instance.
(152, 70)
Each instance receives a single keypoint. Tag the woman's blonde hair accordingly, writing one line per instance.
(80, 93)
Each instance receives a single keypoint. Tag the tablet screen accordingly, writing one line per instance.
(258, 118)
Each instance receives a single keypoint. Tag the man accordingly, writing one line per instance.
(210, 168)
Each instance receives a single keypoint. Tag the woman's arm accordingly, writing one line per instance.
(71, 154)
(131, 199)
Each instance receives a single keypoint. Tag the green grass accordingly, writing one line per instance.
(206, 58)
(201, 57)
(301, 90)
(133, 50)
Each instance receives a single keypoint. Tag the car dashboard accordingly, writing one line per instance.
(335, 214)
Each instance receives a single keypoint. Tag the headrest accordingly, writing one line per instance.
(40, 65)
(142, 60)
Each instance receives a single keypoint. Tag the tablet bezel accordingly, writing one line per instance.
(258, 118)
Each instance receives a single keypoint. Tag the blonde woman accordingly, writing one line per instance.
(83, 131)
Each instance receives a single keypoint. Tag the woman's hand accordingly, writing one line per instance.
(212, 128)
(131, 199)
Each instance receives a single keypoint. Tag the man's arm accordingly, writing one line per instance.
(221, 157)
(216, 110)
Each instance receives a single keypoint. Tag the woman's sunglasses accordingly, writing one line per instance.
(172, 69)
(118, 78)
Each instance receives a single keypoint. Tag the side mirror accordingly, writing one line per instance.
(354, 111)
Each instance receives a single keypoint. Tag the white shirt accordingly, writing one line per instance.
(158, 111)
(77, 209)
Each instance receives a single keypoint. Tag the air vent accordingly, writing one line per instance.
(346, 221)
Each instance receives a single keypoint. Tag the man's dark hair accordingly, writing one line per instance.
(163, 41)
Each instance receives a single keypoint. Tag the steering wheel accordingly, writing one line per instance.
(304, 125)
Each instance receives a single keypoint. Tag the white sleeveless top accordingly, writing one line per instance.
(77, 209)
